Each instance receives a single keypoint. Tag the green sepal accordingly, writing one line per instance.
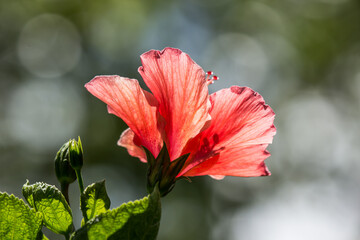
(163, 158)
(131, 221)
(17, 220)
(50, 202)
(163, 171)
(94, 200)
(167, 182)
(150, 158)
(155, 167)
(153, 173)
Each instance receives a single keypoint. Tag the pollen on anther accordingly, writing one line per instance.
(210, 77)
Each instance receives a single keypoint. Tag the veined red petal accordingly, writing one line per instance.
(136, 107)
(128, 141)
(235, 143)
(179, 86)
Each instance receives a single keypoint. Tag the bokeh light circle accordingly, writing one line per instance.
(313, 137)
(43, 114)
(49, 46)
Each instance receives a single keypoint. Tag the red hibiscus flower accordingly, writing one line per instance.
(225, 133)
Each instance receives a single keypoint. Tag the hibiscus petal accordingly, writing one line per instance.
(179, 86)
(136, 107)
(127, 140)
(217, 177)
(235, 143)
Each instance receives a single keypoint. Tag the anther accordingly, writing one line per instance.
(210, 77)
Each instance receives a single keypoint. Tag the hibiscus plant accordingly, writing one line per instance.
(179, 130)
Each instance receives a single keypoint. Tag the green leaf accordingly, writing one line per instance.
(44, 237)
(94, 200)
(41, 236)
(49, 201)
(17, 220)
(131, 221)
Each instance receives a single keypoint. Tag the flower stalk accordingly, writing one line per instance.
(76, 162)
(65, 191)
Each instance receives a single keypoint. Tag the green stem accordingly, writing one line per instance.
(81, 187)
(80, 181)
(65, 191)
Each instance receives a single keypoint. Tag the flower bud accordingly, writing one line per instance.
(64, 172)
(75, 154)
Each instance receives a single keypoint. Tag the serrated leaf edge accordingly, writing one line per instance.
(87, 191)
(21, 202)
(44, 187)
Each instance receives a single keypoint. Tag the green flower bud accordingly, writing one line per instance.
(75, 154)
(64, 172)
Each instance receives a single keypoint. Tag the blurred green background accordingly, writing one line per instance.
(302, 56)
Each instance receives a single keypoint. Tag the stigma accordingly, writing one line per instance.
(210, 77)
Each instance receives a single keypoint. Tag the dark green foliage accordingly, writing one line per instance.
(134, 220)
